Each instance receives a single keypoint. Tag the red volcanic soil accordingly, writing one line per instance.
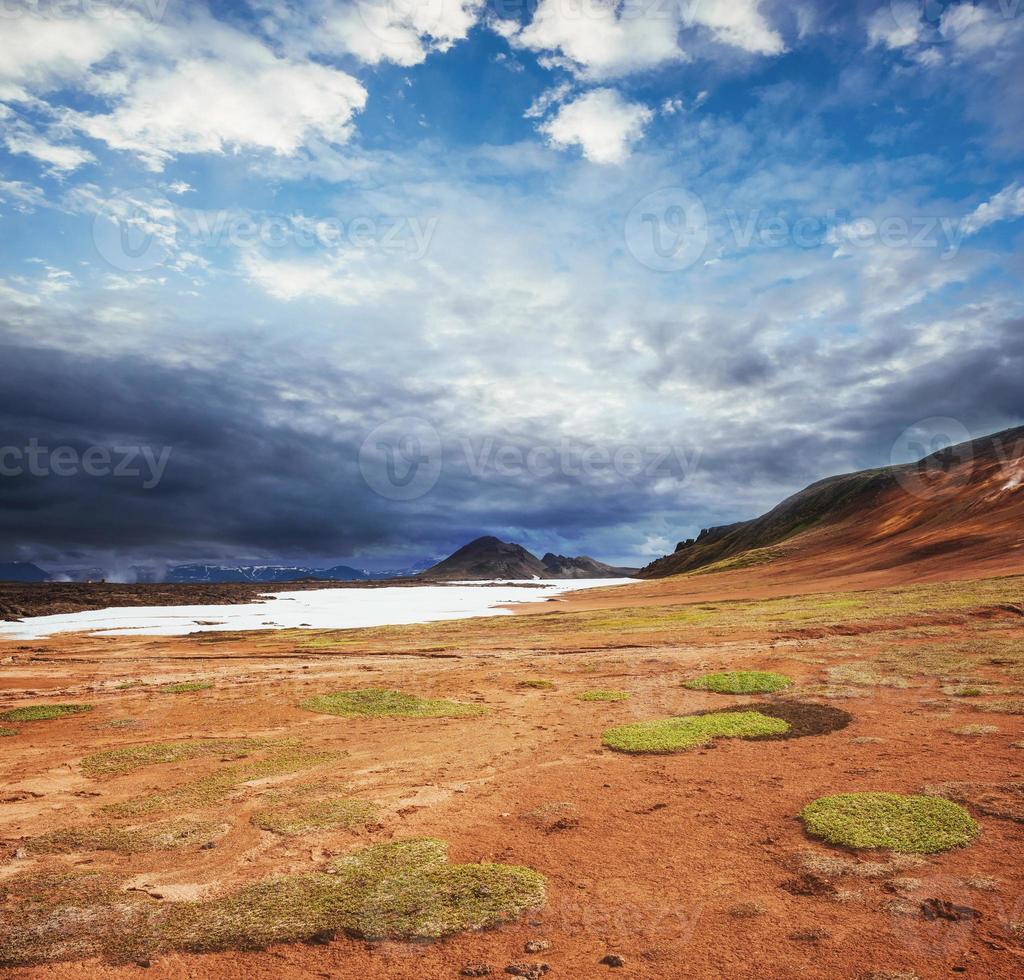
(908, 616)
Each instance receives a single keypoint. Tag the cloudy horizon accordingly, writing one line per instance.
(356, 281)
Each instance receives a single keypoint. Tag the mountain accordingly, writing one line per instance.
(22, 571)
(559, 566)
(964, 504)
(261, 573)
(490, 558)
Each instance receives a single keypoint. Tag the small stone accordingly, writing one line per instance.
(208, 846)
(937, 908)
(475, 970)
(531, 971)
(536, 946)
(613, 960)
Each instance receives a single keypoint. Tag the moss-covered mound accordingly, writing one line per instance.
(221, 784)
(164, 836)
(376, 702)
(402, 890)
(44, 712)
(303, 817)
(680, 734)
(740, 682)
(184, 687)
(803, 717)
(605, 696)
(113, 762)
(537, 684)
(908, 824)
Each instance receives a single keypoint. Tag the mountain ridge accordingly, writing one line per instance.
(488, 557)
(925, 504)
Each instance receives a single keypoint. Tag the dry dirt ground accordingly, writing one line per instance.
(686, 865)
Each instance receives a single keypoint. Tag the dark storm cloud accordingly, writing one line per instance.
(249, 477)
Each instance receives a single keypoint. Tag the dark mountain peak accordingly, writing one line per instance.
(491, 558)
(22, 571)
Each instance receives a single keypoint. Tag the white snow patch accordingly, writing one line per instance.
(350, 608)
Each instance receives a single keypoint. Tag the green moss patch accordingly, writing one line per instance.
(908, 824)
(165, 836)
(303, 817)
(605, 696)
(536, 684)
(740, 682)
(376, 702)
(44, 712)
(402, 890)
(8, 732)
(680, 734)
(185, 687)
(214, 788)
(1010, 706)
(114, 762)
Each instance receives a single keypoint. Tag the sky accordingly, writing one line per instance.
(356, 281)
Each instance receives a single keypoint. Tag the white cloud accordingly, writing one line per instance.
(346, 278)
(603, 124)
(897, 25)
(547, 99)
(601, 39)
(974, 29)
(1004, 206)
(25, 197)
(739, 23)
(253, 100)
(38, 53)
(60, 157)
(195, 85)
(393, 30)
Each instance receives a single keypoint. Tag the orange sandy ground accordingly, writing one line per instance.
(665, 845)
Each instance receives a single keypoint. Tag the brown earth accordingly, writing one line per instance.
(686, 865)
(908, 616)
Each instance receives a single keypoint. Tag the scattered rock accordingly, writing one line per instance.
(475, 970)
(536, 946)
(613, 960)
(532, 971)
(938, 908)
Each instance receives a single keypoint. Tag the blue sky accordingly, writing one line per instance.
(376, 277)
